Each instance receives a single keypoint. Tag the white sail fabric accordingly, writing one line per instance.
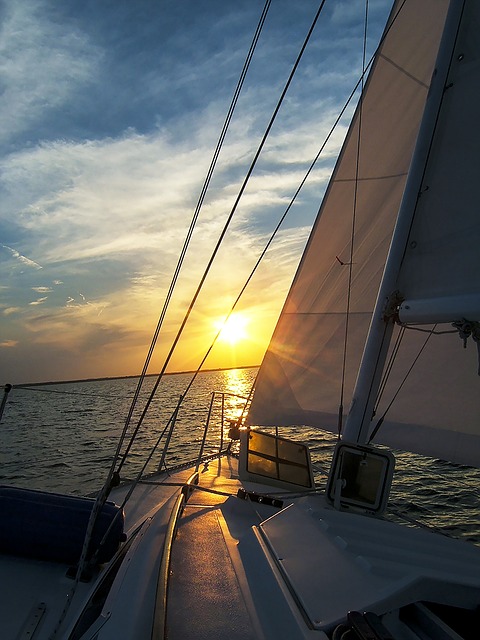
(438, 410)
(300, 379)
(442, 259)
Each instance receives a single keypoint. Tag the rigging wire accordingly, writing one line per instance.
(254, 269)
(389, 367)
(293, 199)
(354, 218)
(102, 496)
(284, 215)
(310, 169)
(149, 457)
(225, 228)
(395, 395)
(189, 236)
(258, 262)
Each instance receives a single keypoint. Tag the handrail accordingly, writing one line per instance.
(205, 431)
(160, 608)
(212, 412)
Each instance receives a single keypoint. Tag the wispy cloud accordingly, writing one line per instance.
(42, 289)
(108, 121)
(8, 311)
(8, 344)
(44, 64)
(38, 301)
(22, 259)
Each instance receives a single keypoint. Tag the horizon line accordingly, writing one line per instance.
(148, 375)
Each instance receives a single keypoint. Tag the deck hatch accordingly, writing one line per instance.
(360, 478)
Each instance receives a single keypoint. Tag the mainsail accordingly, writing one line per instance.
(442, 259)
(432, 269)
(300, 380)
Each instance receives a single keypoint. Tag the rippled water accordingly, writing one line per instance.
(63, 438)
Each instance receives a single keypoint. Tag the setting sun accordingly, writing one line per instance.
(234, 329)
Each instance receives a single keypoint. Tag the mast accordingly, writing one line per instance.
(383, 318)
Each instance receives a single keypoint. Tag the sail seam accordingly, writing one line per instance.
(371, 179)
(404, 71)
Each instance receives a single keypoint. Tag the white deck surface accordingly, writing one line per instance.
(245, 570)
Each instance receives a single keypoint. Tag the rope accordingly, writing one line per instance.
(195, 487)
(436, 333)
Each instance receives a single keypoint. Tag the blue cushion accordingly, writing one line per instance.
(52, 526)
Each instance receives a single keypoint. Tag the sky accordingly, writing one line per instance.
(110, 111)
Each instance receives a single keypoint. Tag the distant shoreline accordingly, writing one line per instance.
(149, 375)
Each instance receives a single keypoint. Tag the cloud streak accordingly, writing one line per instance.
(44, 65)
(109, 121)
(21, 259)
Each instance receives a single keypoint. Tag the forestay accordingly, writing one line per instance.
(301, 376)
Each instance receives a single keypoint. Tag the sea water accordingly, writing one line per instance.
(63, 438)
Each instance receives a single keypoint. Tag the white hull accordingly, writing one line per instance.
(243, 569)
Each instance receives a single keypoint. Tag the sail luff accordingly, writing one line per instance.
(383, 320)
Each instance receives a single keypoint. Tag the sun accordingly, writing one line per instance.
(234, 329)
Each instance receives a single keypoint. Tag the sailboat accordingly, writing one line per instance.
(247, 545)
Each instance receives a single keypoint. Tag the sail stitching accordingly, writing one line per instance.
(404, 71)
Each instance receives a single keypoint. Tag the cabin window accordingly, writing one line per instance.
(275, 460)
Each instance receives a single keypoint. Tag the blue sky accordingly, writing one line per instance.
(110, 111)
